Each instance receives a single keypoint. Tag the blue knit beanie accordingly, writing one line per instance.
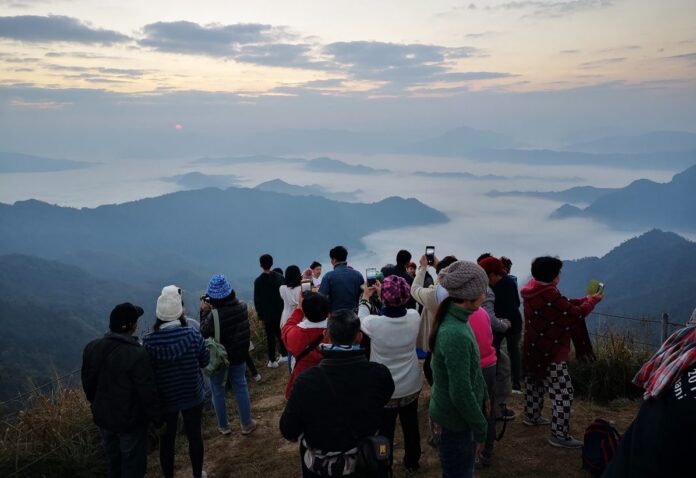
(218, 287)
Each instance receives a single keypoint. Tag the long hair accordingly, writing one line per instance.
(437, 321)
(293, 276)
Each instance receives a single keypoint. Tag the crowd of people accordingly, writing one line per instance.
(356, 351)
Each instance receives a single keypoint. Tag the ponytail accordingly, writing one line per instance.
(437, 321)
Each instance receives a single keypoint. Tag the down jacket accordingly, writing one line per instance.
(234, 329)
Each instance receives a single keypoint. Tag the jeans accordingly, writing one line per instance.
(192, 427)
(251, 366)
(408, 416)
(272, 333)
(489, 378)
(457, 452)
(236, 376)
(126, 453)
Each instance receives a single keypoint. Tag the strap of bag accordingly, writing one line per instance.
(216, 324)
(309, 348)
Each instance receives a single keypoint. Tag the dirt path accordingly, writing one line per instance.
(522, 453)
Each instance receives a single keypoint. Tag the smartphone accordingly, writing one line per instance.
(600, 289)
(306, 286)
(371, 275)
(430, 254)
(595, 287)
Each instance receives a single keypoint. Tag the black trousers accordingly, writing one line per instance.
(513, 350)
(192, 427)
(408, 416)
(273, 333)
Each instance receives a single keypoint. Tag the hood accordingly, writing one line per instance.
(534, 287)
(169, 344)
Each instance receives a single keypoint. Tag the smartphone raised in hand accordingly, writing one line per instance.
(430, 254)
(306, 286)
(371, 276)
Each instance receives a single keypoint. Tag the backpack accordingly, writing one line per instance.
(217, 351)
(600, 444)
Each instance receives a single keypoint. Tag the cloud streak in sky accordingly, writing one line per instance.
(56, 28)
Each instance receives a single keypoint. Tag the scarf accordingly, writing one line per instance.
(394, 312)
(676, 355)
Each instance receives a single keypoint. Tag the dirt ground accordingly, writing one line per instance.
(523, 451)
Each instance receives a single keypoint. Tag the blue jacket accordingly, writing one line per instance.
(178, 354)
(343, 286)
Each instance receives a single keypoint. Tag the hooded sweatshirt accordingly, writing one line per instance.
(551, 322)
(177, 354)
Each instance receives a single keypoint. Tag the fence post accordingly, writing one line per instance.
(665, 327)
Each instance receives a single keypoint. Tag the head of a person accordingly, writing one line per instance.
(466, 283)
(169, 309)
(403, 257)
(446, 261)
(338, 254)
(395, 291)
(175, 291)
(483, 256)
(293, 276)
(278, 270)
(124, 318)
(507, 263)
(219, 290)
(266, 262)
(411, 269)
(494, 269)
(343, 328)
(315, 267)
(315, 306)
(547, 269)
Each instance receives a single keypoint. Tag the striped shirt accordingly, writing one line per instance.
(178, 354)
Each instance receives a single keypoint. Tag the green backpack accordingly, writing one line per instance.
(218, 354)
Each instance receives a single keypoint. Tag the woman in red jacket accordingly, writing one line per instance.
(303, 332)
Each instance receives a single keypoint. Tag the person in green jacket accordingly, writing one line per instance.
(459, 402)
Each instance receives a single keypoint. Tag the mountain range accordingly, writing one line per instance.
(280, 186)
(644, 204)
(578, 194)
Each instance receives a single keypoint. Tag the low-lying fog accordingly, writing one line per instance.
(516, 227)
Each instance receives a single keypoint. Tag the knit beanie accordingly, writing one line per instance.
(493, 265)
(171, 289)
(464, 280)
(395, 291)
(218, 287)
(169, 307)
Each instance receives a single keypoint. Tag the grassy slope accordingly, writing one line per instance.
(522, 453)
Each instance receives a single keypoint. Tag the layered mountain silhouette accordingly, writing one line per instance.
(280, 186)
(644, 204)
(578, 194)
(27, 163)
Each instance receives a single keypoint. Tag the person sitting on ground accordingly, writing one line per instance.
(333, 403)
(551, 322)
(303, 332)
(342, 285)
(493, 268)
(178, 353)
(662, 438)
(393, 337)
(233, 318)
(458, 402)
(269, 308)
(290, 292)
(428, 296)
(119, 383)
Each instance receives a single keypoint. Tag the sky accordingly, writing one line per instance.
(543, 71)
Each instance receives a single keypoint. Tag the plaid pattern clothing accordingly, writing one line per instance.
(560, 389)
(669, 363)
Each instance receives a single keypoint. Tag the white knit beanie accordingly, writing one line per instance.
(169, 307)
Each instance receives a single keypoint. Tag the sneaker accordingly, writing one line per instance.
(225, 431)
(257, 377)
(271, 364)
(506, 415)
(283, 359)
(517, 391)
(534, 423)
(567, 442)
(249, 428)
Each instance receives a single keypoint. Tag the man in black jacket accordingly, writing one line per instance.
(119, 382)
(269, 308)
(337, 400)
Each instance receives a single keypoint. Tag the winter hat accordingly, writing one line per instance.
(171, 289)
(493, 265)
(218, 287)
(124, 316)
(395, 291)
(464, 280)
(169, 307)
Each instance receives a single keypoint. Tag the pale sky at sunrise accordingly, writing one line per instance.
(578, 65)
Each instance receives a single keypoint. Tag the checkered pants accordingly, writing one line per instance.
(560, 389)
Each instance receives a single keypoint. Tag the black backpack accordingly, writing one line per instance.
(600, 444)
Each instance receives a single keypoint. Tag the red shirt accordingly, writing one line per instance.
(296, 340)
